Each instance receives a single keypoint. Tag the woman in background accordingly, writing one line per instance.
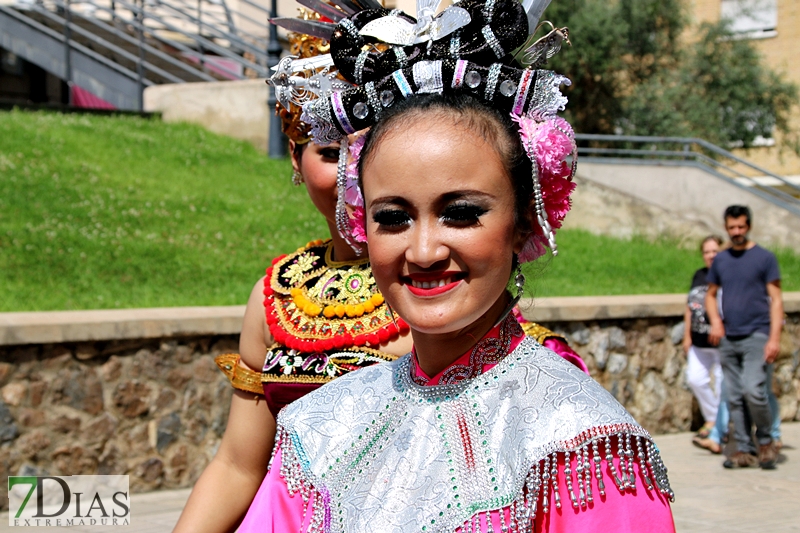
(315, 316)
(702, 358)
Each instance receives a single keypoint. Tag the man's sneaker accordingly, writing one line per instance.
(741, 460)
(767, 455)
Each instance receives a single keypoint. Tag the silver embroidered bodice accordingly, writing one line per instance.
(373, 447)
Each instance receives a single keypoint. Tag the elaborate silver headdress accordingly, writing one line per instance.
(478, 47)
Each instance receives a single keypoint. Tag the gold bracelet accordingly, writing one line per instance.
(240, 377)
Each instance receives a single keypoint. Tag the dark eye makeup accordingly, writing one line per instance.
(460, 214)
(463, 213)
(391, 218)
(330, 152)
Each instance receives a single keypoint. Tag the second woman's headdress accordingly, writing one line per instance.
(484, 48)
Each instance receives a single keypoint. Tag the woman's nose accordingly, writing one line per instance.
(426, 246)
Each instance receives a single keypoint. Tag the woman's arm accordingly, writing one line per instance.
(687, 330)
(224, 491)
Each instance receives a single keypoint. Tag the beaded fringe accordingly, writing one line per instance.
(588, 450)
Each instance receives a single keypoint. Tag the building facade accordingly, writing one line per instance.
(773, 27)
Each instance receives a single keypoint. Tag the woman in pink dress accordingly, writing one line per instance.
(480, 428)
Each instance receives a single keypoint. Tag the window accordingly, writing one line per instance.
(752, 18)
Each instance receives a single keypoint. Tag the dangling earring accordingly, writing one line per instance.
(297, 178)
(519, 280)
(391, 312)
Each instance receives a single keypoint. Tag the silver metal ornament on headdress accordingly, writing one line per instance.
(429, 27)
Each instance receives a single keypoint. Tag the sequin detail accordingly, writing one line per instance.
(490, 350)
(402, 83)
(458, 75)
(341, 114)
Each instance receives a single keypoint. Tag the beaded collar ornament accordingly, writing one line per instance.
(314, 304)
(484, 48)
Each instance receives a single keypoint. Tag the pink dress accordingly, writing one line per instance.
(566, 506)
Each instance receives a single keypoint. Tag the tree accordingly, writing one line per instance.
(636, 70)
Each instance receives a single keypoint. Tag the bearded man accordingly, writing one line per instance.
(748, 331)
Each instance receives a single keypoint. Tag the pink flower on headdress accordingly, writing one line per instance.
(548, 143)
(352, 193)
(533, 248)
(358, 224)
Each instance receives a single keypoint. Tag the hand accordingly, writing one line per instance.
(687, 343)
(771, 350)
(716, 333)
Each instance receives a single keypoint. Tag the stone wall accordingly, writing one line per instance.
(641, 362)
(156, 409)
(152, 409)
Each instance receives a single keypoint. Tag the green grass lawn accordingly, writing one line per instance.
(113, 212)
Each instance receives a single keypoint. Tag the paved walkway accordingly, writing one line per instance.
(709, 499)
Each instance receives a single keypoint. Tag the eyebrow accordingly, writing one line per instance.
(443, 199)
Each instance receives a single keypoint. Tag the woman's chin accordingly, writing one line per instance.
(439, 321)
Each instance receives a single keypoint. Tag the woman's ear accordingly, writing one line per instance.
(526, 224)
(296, 155)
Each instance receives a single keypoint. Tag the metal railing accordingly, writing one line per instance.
(159, 41)
(694, 152)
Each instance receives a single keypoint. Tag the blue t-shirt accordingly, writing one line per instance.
(743, 276)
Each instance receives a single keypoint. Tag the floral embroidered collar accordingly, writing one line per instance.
(316, 304)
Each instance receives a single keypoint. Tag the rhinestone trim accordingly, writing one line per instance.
(400, 54)
(488, 10)
(341, 114)
(522, 91)
(359, 66)
(492, 41)
(491, 82)
(455, 45)
(402, 83)
(350, 27)
(372, 98)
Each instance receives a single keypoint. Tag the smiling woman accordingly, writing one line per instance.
(479, 428)
(464, 174)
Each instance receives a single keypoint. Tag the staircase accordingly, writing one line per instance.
(691, 152)
(115, 48)
(689, 180)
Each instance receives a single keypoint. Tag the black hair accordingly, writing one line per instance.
(736, 211)
(298, 149)
(496, 128)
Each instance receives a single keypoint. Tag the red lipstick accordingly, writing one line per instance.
(428, 284)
